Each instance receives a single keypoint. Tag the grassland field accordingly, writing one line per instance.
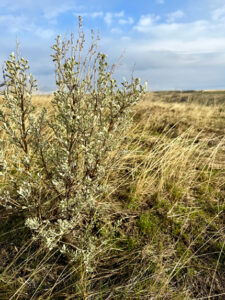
(168, 192)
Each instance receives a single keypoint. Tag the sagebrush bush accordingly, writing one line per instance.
(55, 173)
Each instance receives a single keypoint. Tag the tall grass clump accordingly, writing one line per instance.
(54, 172)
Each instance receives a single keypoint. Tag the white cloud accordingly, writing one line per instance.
(171, 64)
(160, 1)
(172, 17)
(50, 8)
(110, 17)
(97, 14)
(219, 14)
(19, 24)
(146, 21)
(15, 23)
(54, 11)
(181, 55)
(44, 33)
(179, 31)
(116, 30)
(14, 5)
(128, 21)
(119, 15)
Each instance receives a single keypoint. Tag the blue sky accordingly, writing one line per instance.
(174, 44)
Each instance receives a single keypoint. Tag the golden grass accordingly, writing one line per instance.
(168, 191)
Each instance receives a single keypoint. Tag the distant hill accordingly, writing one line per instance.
(206, 97)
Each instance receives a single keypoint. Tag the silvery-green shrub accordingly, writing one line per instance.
(59, 159)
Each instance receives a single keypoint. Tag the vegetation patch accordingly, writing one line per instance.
(95, 204)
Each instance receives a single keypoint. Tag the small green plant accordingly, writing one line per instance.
(56, 172)
(148, 224)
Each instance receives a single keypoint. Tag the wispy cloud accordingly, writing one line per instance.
(195, 37)
(15, 24)
(171, 62)
(116, 30)
(44, 33)
(20, 24)
(54, 12)
(219, 14)
(146, 21)
(126, 21)
(110, 17)
(97, 14)
(174, 16)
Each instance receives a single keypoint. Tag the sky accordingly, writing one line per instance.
(171, 44)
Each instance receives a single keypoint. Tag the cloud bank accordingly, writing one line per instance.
(170, 47)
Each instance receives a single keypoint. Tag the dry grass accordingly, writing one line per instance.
(167, 195)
